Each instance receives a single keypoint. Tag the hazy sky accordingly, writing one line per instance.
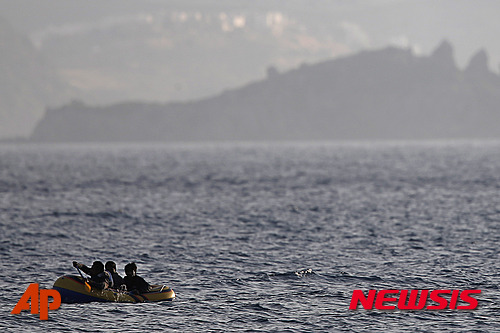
(469, 25)
(156, 50)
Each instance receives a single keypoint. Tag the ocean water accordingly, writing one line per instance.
(254, 238)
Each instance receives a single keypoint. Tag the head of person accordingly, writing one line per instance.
(97, 267)
(110, 266)
(131, 269)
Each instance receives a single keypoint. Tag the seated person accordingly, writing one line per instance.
(98, 279)
(115, 278)
(135, 284)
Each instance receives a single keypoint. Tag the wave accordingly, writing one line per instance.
(294, 274)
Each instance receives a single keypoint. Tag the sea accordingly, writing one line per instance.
(254, 237)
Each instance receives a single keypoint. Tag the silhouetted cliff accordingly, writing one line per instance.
(383, 94)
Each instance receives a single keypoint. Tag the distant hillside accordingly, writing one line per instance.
(383, 94)
(27, 84)
(178, 51)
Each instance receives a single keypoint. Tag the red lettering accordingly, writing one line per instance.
(454, 299)
(366, 302)
(23, 304)
(438, 299)
(468, 299)
(379, 302)
(412, 302)
(45, 306)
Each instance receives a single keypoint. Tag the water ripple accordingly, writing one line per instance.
(254, 238)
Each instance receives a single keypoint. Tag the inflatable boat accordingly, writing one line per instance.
(73, 289)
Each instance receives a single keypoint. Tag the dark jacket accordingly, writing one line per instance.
(97, 280)
(116, 280)
(136, 284)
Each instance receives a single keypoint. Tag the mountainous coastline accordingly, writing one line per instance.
(383, 94)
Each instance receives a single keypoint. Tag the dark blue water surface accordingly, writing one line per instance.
(257, 238)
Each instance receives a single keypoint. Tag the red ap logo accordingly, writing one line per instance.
(43, 306)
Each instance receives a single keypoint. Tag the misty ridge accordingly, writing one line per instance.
(389, 93)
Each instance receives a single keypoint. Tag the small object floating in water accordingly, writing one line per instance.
(73, 289)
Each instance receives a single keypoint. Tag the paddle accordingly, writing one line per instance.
(87, 285)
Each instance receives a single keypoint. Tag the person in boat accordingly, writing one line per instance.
(98, 278)
(115, 278)
(135, 283)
